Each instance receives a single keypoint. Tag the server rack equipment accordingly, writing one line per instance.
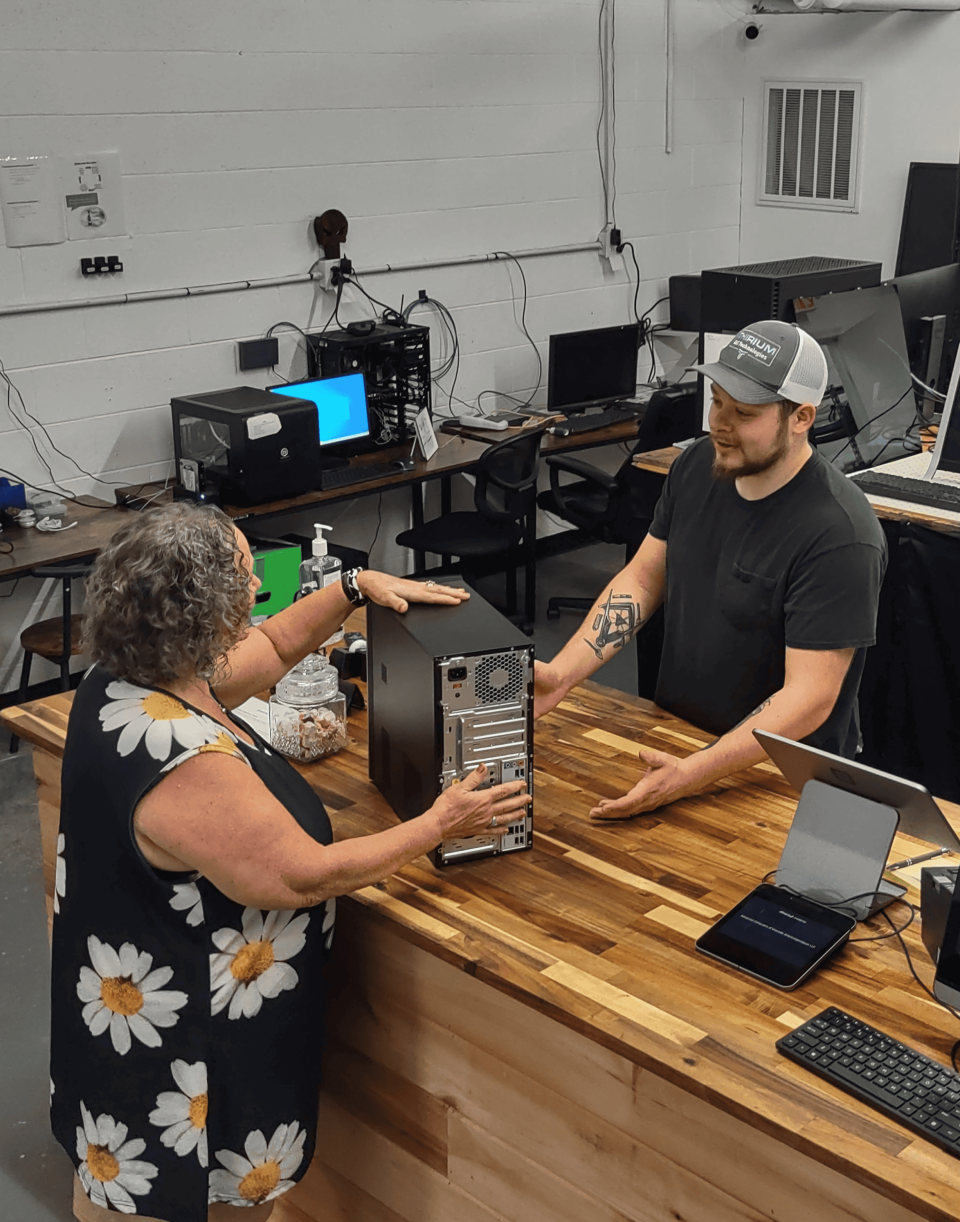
(449, 688)
(395, 362)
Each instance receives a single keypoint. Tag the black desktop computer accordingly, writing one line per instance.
(395, 362)
(244, 446)
(734, 297)
(449, 688)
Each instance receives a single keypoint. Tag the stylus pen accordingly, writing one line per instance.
(912, 861)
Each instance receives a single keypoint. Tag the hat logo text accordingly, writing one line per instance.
(749, 344)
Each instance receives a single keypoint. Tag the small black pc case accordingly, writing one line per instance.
(447, 689)
(245, 446)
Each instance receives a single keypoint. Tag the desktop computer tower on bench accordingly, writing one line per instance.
(449, 688)
(395, 363)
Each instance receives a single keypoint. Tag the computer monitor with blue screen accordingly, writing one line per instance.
(341, 413)
(592, 368)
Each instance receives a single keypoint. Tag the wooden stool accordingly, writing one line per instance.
(57, 640)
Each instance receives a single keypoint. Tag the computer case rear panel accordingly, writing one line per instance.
(449, 688)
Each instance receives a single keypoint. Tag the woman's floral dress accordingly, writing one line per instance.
(186, 1029)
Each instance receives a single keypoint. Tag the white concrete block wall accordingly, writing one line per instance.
(910, 112)
(442, 128)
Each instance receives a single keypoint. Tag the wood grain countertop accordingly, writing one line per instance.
(595, 928)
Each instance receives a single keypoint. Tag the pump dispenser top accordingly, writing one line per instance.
(321, 570)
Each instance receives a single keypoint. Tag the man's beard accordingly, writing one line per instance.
(756, 466)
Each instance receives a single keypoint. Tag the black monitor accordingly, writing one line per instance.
(591, 368)
(342, 414)
(930, 306)
(928, 230)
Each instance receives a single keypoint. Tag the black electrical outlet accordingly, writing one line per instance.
(100, 265)
(258, 353)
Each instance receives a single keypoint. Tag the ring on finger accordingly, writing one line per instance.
(493, 821)
(430, 583)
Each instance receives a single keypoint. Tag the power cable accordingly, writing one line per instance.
(12, 387)
(872, 420)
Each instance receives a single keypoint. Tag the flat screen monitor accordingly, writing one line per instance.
(589, 368)
(341, 408)
(928, 230)
(930, 308)
(946, 453)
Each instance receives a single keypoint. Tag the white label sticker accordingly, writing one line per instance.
(264, 425)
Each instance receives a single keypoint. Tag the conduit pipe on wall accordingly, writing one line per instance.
(668, 100)
(877, 6)
(237, 286)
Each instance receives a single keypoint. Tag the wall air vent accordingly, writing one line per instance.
(811, 136)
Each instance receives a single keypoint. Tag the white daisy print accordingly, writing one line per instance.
(186, 898)
(110, 1170)
(156, 717)
(264, 1173)
(329, 916)
(122, 993)
(252, 965)
(60, 882)
(183, 1114)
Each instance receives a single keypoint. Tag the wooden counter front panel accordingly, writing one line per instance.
(447, 1101)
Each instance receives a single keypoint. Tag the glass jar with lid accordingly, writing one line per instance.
(308, 713)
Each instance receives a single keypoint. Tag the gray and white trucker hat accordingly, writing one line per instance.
(768, 361)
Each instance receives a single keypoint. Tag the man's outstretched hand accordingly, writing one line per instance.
(665, 780)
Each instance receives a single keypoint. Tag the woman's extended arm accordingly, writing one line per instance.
(214, 815)
(266, 653)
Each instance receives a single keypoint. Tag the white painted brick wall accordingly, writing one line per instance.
(442, 128)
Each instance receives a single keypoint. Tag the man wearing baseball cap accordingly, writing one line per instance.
(768, 562)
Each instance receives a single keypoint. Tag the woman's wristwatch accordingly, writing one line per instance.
(351, 587)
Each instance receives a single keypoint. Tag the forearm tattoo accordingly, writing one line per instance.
(759, 709)
(616, 622)
(743, 720)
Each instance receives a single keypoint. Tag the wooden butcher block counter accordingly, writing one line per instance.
(534, 1037)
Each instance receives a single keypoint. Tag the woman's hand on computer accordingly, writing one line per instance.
(466, 809)
(398, 592)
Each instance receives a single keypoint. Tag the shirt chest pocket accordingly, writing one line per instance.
(749, 600)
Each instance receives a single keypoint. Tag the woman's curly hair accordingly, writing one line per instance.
(166, 598)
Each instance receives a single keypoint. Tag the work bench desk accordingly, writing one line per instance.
(535, 1038)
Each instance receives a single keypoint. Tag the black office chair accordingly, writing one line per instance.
(58, 639)
(500, 535)
(616, 508)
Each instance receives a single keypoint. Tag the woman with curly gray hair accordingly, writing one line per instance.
(196, 881)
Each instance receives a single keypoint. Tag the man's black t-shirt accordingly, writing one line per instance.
(798, 569)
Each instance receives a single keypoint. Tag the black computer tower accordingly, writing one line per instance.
(937, 884)
(685, 302)
(734, 297)
(447, 689)
(395, 362)
(245, 446)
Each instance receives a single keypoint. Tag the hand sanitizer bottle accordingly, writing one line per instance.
(321, 569)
